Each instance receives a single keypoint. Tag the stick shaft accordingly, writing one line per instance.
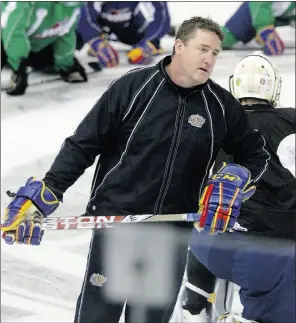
(91, 222)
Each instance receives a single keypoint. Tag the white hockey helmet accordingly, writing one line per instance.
(256, 77)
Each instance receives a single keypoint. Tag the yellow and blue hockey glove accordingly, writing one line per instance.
(143, 53)
(270, 40)
(23, 216)
(220, 204)
(107, 55)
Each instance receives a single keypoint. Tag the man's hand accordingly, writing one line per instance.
(23, 216)
(221, 200)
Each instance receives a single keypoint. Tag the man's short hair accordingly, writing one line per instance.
(189, 27)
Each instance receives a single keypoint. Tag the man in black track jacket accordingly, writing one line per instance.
(158, 131)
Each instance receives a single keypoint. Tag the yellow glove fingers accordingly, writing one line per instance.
(22, 214)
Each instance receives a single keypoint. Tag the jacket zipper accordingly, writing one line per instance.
(171, 157)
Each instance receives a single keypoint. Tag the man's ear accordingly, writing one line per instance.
(179, 45)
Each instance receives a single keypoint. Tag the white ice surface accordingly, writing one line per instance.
(41, 284)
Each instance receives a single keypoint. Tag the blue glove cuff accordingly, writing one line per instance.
(237, 175)
(41, 196)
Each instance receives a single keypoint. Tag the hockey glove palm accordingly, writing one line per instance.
(271, 41)
(143, 53)
(221, 200)
(23, 216)
(99, 47)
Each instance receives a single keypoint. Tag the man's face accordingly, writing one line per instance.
(198, 56)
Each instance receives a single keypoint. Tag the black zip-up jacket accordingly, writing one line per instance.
(157, 143)
(271, 211)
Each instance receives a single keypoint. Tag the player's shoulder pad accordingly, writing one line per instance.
(288, 114)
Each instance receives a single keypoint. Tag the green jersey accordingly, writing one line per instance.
(276, 13)
(31, 26)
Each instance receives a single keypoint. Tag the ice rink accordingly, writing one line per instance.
(41, 284)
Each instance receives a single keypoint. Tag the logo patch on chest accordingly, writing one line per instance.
(196, 120)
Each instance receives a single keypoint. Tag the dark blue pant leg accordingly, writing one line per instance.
(240, 24)
(264, 268)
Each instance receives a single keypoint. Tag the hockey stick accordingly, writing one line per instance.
(91, 222)
(95, 67)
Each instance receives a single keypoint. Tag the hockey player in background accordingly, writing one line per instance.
(258, 20)
(157, 130)
(264, 268)
(41, 35)
(138, 24)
